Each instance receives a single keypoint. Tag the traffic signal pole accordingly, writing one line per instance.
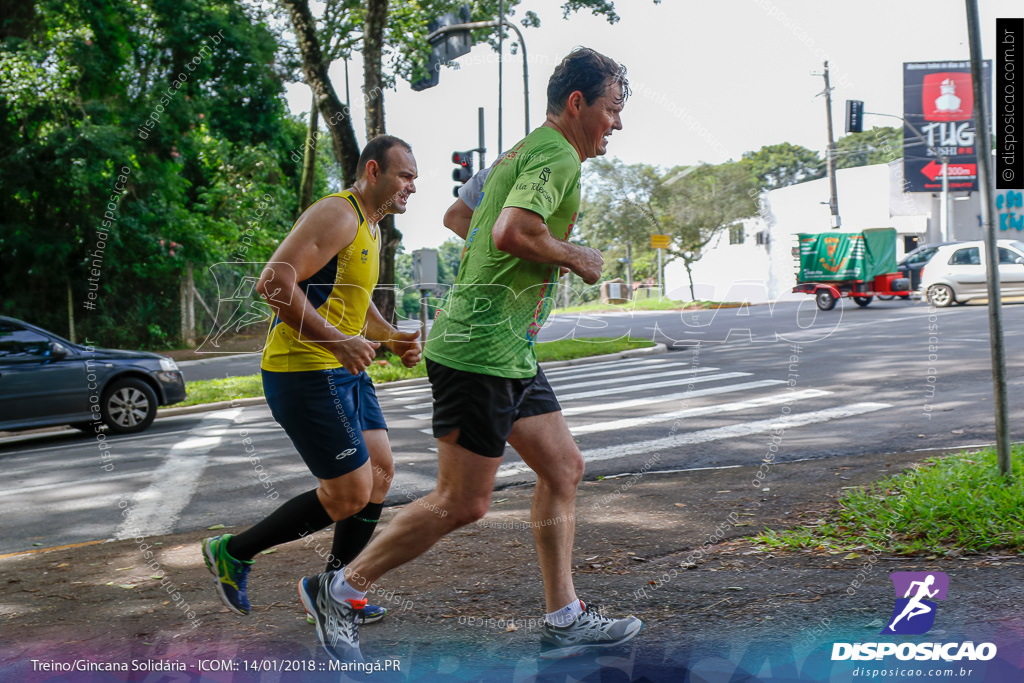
(472, 25)
(944, 229)
(480, 144)
(501, 61)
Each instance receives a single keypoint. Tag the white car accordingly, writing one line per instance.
(957, 274)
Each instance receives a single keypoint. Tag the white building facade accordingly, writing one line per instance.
(756, 261)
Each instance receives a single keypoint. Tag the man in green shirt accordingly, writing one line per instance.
(487, 387)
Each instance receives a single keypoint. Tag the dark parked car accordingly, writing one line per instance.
(911, 264)
(46, 380)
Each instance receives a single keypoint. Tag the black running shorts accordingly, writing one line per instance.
(484, 407)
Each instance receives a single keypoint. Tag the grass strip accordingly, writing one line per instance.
(949, 505)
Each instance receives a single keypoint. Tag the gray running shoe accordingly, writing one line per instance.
(590, 631)
(337, 623)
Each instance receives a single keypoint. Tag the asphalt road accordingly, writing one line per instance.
(747, 385)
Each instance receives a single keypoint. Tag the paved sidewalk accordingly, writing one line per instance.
(670, 547)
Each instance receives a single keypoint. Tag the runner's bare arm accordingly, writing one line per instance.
(523, 234)
(458, 218)
(405, 345)
(321, 232)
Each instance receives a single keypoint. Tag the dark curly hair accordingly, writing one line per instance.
(588, 71)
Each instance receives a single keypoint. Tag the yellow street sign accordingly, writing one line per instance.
(660, 241)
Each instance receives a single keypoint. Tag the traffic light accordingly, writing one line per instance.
(463, 169)
(854, 116)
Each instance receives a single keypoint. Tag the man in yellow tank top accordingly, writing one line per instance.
(324, 335)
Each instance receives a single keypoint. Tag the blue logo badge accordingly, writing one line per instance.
(915, 609)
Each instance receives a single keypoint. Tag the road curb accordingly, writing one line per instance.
(419, 381)
(205, 407)
(632, 353)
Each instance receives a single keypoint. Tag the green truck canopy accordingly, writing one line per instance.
(835, 256)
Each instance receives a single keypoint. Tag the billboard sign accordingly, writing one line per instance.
(938, 100)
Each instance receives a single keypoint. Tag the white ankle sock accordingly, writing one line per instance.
(341, 591)
(566, 615)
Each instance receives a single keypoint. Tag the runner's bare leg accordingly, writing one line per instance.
(545, 444)
(465, 481)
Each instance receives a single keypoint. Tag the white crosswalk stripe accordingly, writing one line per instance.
(601, 382)
(703, 436)
(634, 378)
(652, 385)
(681, 396)
(594, 396)
(631, 422)
(633, 388)
(556, 374)
(606, 366)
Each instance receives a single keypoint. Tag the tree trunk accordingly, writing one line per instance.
(309, 159)
(373, 47)
(188, 308)
(71, 315)
(689, 276)
(373, 94)
(314, 66)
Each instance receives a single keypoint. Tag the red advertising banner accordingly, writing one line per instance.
(938, 101)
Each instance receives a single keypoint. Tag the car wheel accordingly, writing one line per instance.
(863, 301)
(129, 405)
(885, 297)
(940, 296)
(825, 300)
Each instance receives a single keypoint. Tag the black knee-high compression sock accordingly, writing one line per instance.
(351, 535)
(300, 516)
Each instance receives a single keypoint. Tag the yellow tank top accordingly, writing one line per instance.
(340, 292)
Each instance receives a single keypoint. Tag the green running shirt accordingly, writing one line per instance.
(490, 318)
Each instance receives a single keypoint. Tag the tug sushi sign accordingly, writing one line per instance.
(938, 100)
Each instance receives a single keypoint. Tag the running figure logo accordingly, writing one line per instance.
(915, 610)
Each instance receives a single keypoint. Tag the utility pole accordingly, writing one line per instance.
(985, 184)
(830, 154)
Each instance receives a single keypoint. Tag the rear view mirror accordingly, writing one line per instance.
(58, 351)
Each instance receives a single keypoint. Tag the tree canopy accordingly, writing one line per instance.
(784, 164)
(879, 145)
(630, 203)
(136, 139)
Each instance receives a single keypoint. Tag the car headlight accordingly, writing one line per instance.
(168, 365)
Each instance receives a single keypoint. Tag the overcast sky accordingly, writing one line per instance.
(710, 81)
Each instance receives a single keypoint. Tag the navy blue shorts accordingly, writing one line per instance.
(324, 413)
(484, 408)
